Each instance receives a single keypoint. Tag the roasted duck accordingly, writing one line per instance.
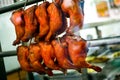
(78, 52)
(36, 60)
(30, 23)
(18, 21)
(43, 19)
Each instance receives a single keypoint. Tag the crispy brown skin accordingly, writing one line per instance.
(22, 55)
(48, 55)
(64, 24)
(18, 21)
(43, 19)
(55, 22)
(78, 52)
(75, 14)
(36, 59)
(61, 57)
(30, 23)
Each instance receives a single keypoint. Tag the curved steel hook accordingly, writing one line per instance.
(25, 4)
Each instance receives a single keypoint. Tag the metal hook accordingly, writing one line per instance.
(44, 0)
(24, 43)
(30, 41)
(58, 39)
(25, 4)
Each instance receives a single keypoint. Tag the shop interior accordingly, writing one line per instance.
(101, 30)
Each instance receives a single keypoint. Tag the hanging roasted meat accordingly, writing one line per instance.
(55, 21)
(64, 24)
(18, 21)
(36, 59)
(73, 10)
(44, 23)
(22, 55)
(48, 55)
(43, 19)
(61, 55)
(30, 23)
(78, 52)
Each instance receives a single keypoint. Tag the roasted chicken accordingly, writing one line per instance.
(55, 21)
(64, 24)
(22, 55)
(60, 53)
(43, 19)
(36, 59)
(18, 21)
(73, 10)
(30, 23)
(49, 51)
(48, 55)
(78, 52)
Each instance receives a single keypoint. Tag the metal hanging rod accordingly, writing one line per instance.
(92, 43)
(104, 41)
(8, 53)
(17, 5)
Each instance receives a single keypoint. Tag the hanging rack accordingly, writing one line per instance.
(90, 43)
(17, 5)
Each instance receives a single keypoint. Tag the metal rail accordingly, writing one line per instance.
(17, 5)
(2, 67)
(104, 41)
(7, 53)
